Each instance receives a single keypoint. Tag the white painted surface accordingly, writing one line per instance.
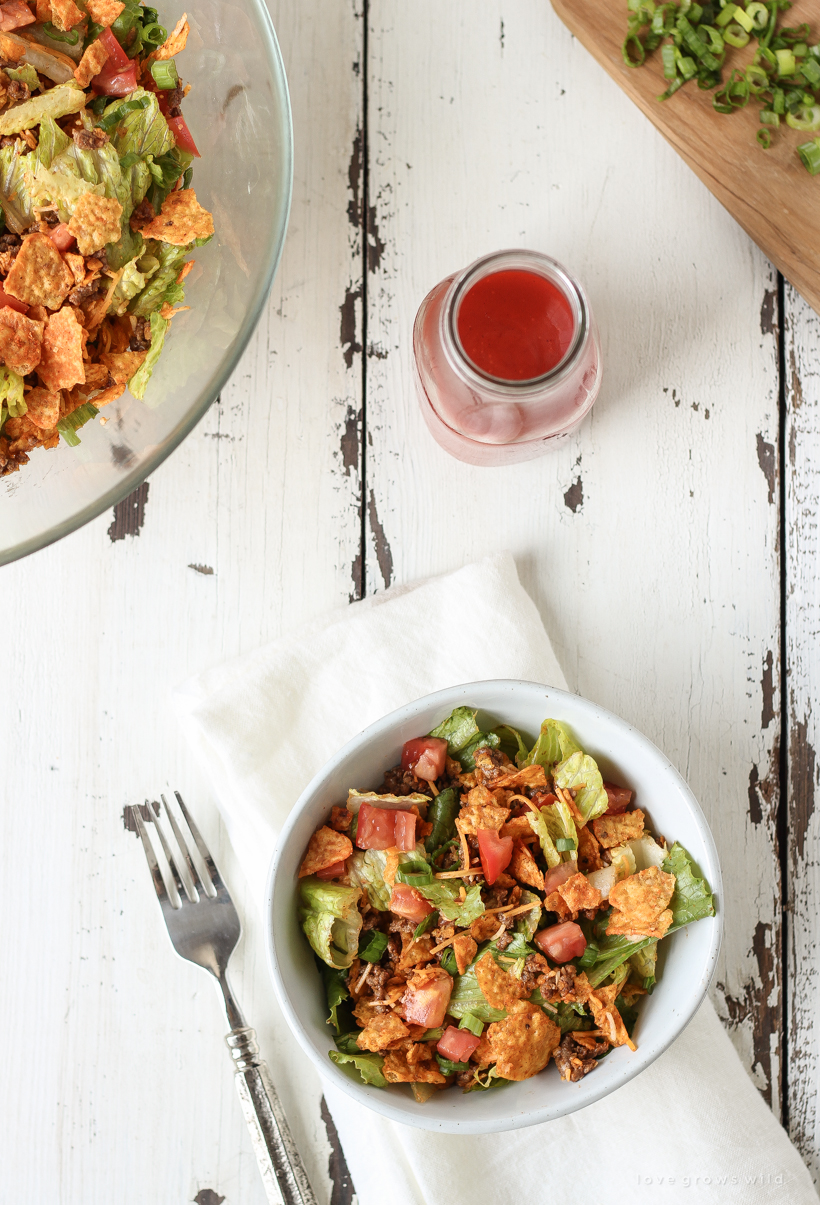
(489, 127)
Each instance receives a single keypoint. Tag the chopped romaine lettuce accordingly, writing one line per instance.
(131, 282)
(336, 993)
(538, 824)
(458, 729)
(369, 1066)
(52, 142)
(142, 131)
(612, 952)
(330, 917)
(580, 773)
(643, 962)
(11, 392)
(526, 923)
(468, 997)
(561, 826)
(141, 377)
(373, 946)
(442, 816)
(56, 102)
(692, 899)
(24, 75)
(647, 852)
(365, 868)
(444, 896)
(567, 1017)
(512, 743)
(484, 740)
(555, 743)
(15, 187)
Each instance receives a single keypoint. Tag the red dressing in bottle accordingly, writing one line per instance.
(515, 325)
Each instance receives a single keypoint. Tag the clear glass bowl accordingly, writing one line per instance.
(239, 113)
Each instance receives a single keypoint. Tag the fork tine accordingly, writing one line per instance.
(153, 864)
(185, 866)
(172, 866)
(200, 844)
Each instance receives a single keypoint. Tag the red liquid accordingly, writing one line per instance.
(515, 325)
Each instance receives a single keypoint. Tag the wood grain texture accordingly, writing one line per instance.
(802, 530)
(649, 541)
(116, 1083)
(769, 193)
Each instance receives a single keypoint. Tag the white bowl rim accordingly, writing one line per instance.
(381, 1101)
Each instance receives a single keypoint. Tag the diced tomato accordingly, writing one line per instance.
(406, 901)
(426, 755)
(619, 799)
(495, 853)
(558, 875)
(376, 828)
(405, 830)
(185, 141)
(13, 303)
(562, 942)
(61, 237)
(332, 872)
(14, 14)
(117, 58)
(427, 1004)
(457, 1044)
(543, 799)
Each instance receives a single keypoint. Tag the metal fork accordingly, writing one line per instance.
(204, 928)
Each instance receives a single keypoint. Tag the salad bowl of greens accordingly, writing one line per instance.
(342, 961)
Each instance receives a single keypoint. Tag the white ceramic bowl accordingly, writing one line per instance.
(687, 958)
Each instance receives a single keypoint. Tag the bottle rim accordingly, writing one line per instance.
(523, 260)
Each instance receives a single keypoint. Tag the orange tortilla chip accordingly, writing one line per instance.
(175, 42)
(403, 1067)
(43, 11)
(589, 851)
(123, 365)
(180, 220)
(602, 1003)
(523, 866)
(473, 816)
(499, 987)
(617, 830)
(92, 62)
(43, 408)
(579, 894)
(20, 341)
(61, 362)
(523, 1043)
(555, 902)
(95, 222)
(640, 903)
(65, 14)
(12, 48)
(326, 846)
(381, 1031)
(38, 275)
(77, 265)
(104, 12)
(465, 950)
(530, 776)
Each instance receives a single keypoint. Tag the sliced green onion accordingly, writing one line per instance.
(811, 71)
(759, 14)
(764, 137)
(129, 160)
(786, 64)
(70, 425)
(423, 879)
(735, 36)
(806, 118)
(128, 106)
(694, 12)
(769, 118)
(154, 34)
(694, 43)
(71, 37)
(743, 19)
(468, 1021)
(711, 37)
(809, 153)
(727, 15)
(564, 843)
(670, 65)
(778, 100)
(800, 50)
(428, 923)
(757, 78)
(686, 65)
(633, 46)
(374, 947)
(165, 74)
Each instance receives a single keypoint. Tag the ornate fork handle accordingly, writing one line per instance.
(283, 1172)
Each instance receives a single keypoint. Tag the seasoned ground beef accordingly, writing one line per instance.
(574, 1061)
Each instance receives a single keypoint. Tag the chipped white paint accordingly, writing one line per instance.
(491, 127)
(649, 543)
(802, 441)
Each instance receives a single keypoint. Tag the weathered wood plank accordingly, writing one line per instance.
(122, 1083)
(649, 541)
(802, 551)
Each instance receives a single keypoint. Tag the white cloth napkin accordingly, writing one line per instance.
(692, 1125)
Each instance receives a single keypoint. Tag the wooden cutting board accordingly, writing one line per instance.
(769, 193)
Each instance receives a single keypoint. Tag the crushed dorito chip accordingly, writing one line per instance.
(523, 1042)
(180, 220)
(607, 1018)
(523, 866)
(579, 894)
(326, 847)
(123, 365)
(499, 987)
(12, 48)
(94, 58)
(640, 902)
(65, 14)
(381, 1031)
(61, 362)
(530, 776)
(589, 851)
(104, 12)
(20, 342)
(399, 1069)
(38, 275)
(475, 816)
(465, 950)
(77, 265)
(95, 222)
(617, 830)
(43, 408)
(175, 42)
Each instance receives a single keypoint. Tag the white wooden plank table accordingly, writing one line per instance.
(671, 547)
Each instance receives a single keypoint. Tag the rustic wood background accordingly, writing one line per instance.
(671, 546)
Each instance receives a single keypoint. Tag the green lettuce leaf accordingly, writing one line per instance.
(15, 187)
(692, 900)
(458, 729)
(579, 772)
(52, 142)
(24, 75)
(554, 744)
(468, 997)
(11, 392)
(141, 377)
(373, 946)
(130, 246)
(444, 896)
(567, 1017)
(560, 824)
(335, 983)
(142, 131)
(365, 868)
(613, 951)
(512, 743)
(643, 963)
(70, 425)
(132, 281)
(526, 923)
(491, 1080)
(330, 917)
(484, 740)
(442, 815)
(539, 826)
(152, 297)
(369, 1066)
(57, 102)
